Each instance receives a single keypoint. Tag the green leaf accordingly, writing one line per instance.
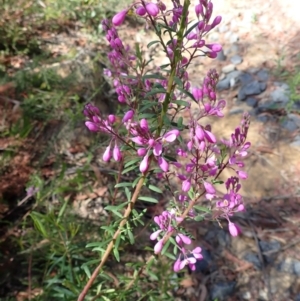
(135, 182)
(190, 29)
(130, 236)
(201, 208)
(128, 169)
(36, 217)
(155, 76)
(123, 184)
(198, 218)
(131, 162)
(155, 91)
(86, 270)
(154, 188)
(138, 52)
(187, 94)
(148, 199)
(117, 255)
(165, 248)
(148, 116)
(164, 66)
(178, 81)
(180, 122)
(128, 194)
(181, 103)
(152, 43)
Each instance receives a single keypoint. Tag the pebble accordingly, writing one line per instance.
(252, 88)
(228, 68)
(236, 59)
(233, 38)
(251, 101)
(223, 84)
(296, 142)
(295, 118)
(289, 265)
(263, 75)
(245, 78)
(253, 258)
(221, 56)
(280, 95)
(289, 125)
(222, 289)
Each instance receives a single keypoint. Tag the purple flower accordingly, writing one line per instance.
(117, 153)
(144, 165)
(152, 9)
(141, 11)
(107, 154)
(128, 116)
(234, 230)
(119, 18)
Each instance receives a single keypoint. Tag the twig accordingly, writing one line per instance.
(112, 242)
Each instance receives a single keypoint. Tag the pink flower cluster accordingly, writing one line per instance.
(201, 157)
(167, 222)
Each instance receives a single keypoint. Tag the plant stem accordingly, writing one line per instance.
(115, 236)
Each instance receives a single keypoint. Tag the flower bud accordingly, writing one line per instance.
(91, 126)
(198, 9)
(141, 11)
(234, 230)
(144, 164)
(163, 164)
(216, 21)
(158, 247)
(141, 152)
(117, 153)
(152, 9)
(119, 18)
(107, 154)
(186, 185)
(128, 116)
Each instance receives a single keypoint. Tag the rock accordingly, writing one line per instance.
(280, 95)
(235, 74)
(289, 125)
(296, 105)
(222, 290)
(253, 258)
(236, 59)
(296, 142)
(295, 118)
(267, 246)
(297, 268)
(262, 75)
(223, 84)
(286, 265)
(221, 56)
(252, 88)
(263, 118)
(234, 49)
(233, 38)
(263, 295)
(228, 68)
(251, 101)
(263, 86)
(245, 78)
(283, 86)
